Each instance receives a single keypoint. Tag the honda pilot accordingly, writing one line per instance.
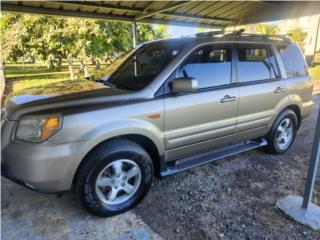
(168, 106)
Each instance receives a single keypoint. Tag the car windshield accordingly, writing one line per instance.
(143, 65)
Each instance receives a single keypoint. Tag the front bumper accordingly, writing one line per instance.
(44, 167)
(5, 174)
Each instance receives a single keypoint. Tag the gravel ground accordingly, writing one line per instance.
(234, 198)
(29, 215)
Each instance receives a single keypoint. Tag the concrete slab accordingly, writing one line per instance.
(29, 215)
(291, 206)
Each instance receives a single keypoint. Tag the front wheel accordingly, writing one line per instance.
(282, 133)
(114, 178)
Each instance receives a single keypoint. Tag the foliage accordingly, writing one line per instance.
(267, 29)
(51, 39)
(298, 36)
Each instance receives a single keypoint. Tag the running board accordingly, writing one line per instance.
(211, 156)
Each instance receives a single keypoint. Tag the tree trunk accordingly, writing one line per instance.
(86, 71)
(82, 66)
(50, 63)
(93, 61)
(97, 65)
(71, 69)
(23, 62)
(2, 79)
(59, 63)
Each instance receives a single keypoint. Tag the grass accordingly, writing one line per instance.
(315, 73)
(21, 76)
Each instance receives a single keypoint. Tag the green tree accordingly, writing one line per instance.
(51, 39)
(267, 29)
(298, 35)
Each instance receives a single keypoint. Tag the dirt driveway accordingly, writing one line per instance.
(231, 199)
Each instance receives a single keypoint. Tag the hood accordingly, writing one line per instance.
(63, 94)
(53, 90)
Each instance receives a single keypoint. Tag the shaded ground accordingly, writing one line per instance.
(234, 198)
(29, 215)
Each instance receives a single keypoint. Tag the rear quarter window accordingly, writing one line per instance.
(293, 60)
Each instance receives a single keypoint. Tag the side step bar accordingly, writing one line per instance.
(206, 157)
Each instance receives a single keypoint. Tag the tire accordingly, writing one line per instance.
(275, 144)
(98, 185)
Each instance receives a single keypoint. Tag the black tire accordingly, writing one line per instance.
(97, 160)
(273, 146)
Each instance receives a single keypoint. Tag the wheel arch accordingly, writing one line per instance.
(145, 142)
(292, 102)
(296, 109)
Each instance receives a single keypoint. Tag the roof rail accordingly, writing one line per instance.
(281, 37)
(241, 33)
(212, 33)
(235, 33)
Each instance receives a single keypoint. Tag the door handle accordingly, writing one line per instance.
(279, 90)
(228, 98)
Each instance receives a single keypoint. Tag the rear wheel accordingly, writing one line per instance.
(114, 178)
(282, 133)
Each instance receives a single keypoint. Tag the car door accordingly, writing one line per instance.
(260, 88)
(198, 121)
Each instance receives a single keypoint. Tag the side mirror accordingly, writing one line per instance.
(184, 85)
(90, 78)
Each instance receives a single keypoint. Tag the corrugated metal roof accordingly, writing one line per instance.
(218, 14)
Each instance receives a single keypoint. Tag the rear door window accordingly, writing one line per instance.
(293, 60)
(256, 62)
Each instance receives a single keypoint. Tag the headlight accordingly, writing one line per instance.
(38, 128)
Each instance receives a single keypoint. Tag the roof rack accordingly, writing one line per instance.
(241, 33)
(281, 37)
(235, 33)
(212, 33)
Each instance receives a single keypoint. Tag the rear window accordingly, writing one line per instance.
(293, 60)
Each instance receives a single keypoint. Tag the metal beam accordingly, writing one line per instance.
(103, 16)
(183, 23)
(173, 6)
(61, 12)
(198, 17)
(145, 11)
(101, 6)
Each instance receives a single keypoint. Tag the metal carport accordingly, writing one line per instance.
(210, 14)
(219, 14)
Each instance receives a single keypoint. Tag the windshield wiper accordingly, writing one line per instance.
(109, 84)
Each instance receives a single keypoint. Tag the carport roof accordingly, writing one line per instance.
(218, 14)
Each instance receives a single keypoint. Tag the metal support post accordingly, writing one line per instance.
(134, 34)
(302, 209)
(134, 41)
(312, 173)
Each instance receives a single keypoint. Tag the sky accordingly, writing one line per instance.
(179, 31)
